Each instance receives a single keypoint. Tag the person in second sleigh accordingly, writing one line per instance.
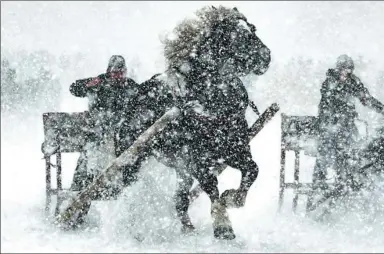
(337, 114)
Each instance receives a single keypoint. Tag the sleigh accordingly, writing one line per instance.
(69, 132)
(299, 138)
(63, 133)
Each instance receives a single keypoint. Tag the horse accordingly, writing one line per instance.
(206, 56)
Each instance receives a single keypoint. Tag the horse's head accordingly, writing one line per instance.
(249, 53)
(219, 39)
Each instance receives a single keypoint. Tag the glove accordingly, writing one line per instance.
(94, 82)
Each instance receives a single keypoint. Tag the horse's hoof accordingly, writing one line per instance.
(187, 229)
(224, 233)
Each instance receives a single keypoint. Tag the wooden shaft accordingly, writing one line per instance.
(127, 158)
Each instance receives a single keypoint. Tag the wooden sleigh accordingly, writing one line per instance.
(67, 133)
(299, 135)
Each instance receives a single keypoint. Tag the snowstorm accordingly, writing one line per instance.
(187, 126)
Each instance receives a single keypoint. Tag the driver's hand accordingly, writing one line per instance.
(94, 82)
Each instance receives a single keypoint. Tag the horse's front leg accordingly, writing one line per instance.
(184, 184)
(249, 172)
(222, 226)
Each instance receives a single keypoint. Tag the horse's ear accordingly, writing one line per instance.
(213, 7)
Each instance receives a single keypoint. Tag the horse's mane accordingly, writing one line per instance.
(182, 43)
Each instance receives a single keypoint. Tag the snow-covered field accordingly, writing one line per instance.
(99, 29)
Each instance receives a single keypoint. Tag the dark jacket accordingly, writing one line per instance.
(337, 99)
(107, 92)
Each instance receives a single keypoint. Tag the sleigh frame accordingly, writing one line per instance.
(299, 135)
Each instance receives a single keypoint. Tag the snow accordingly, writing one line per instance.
(143, 219)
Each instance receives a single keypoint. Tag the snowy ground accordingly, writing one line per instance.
(147, 208)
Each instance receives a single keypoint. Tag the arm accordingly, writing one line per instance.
(374, 103)
(81, 87)
(78, 88)
(366, 98)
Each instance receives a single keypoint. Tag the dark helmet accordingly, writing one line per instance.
(345, 62)
(116, 63)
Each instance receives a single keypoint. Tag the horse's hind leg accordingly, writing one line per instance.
(222, 226)
(184, 184)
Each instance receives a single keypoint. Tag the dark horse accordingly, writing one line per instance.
(205, 60)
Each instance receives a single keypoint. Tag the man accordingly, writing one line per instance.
(336, 118)
(111, 97)
(108, 93)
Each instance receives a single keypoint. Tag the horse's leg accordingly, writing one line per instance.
(243, 161)
(222, 226)
(184, 184)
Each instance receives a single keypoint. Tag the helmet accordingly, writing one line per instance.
(345, 62)
(116, 63)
